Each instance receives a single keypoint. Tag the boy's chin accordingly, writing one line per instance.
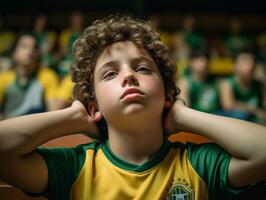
(134, 108)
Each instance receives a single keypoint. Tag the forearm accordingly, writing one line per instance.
(240, 138)
(22, 135)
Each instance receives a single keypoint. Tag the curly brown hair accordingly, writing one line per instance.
(117, 28)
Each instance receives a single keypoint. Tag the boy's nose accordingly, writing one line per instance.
(129, 79)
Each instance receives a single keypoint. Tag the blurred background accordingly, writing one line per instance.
(218, 47)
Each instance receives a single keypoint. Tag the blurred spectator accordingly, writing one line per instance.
(192, 38)
(28, 88)
(68, 35)
(7, 38)
(261, 43)
(260, 72)
(180, 53)
(185, 40)
(66, 40)
(156, 23)
(198, 88)
(46, 39)
(221, 63)
(241, 96)
(236, 40)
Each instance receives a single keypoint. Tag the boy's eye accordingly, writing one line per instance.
(109, 74)
(143, 68)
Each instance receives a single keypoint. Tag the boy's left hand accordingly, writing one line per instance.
(172, 119)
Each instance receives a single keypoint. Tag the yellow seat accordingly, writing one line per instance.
(221, 66)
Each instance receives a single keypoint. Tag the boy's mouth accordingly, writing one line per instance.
(131, 91)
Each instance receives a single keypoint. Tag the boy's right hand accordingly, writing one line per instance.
(87, 122)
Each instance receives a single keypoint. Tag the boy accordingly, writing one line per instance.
(124, 77)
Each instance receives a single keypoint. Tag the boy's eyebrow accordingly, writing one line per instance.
(142, 58)
(135, 60)
(105, 65)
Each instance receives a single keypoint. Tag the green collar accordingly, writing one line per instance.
(157, 158)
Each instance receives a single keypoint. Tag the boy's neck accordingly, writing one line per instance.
(138, 143)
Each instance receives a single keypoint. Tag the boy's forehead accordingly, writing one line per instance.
(121, 48)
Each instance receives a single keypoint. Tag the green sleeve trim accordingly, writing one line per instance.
(157, 158)
(64, 166)
(211, 162)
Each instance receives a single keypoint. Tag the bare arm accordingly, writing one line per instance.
(229, 102)
(20, 136)
(56, 104)
(245, 141)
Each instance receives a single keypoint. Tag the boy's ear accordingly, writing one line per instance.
(94, 111)
(168, 101)
(168, 104)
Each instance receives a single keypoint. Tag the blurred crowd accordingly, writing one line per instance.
(224, 74)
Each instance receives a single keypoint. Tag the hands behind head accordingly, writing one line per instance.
(86, 120)
(172, 123)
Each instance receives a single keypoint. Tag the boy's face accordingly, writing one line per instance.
(127, 82)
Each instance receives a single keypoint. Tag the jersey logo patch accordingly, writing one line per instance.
(180, 192)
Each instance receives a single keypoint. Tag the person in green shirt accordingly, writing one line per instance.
(236, 40)
(199, 89)
(241, 95)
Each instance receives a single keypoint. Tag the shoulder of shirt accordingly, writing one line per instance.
(95, 145)
(79, 149)
(193, 146)
(43, 71)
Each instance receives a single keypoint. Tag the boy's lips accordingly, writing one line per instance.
(131, 91)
